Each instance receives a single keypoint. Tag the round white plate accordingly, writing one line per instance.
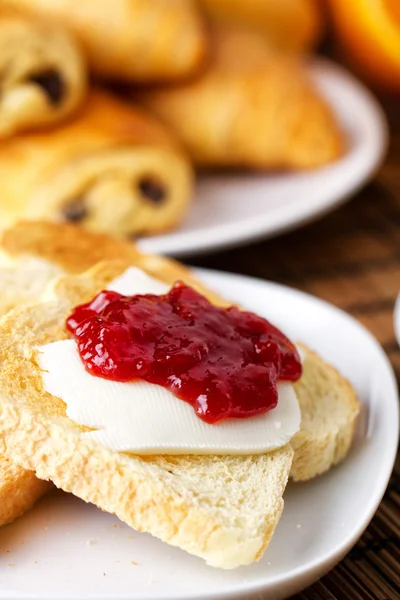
(232, 209)
(397, 319)
(66, 549)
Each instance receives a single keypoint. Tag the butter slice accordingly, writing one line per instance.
(144, 418)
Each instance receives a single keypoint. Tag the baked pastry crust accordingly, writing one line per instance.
(112, 168)
(43, 72)
(294, 25)
(253, 107)
(133, 40)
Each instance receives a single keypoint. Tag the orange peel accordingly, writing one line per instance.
(369, 33)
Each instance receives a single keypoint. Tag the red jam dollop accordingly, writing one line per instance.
(223, 361)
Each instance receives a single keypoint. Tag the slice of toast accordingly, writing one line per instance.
(328, 403)
(329, 408)
(21, 285)
(321, 441)
(223, 509)
(19, 490)
(24, 282)
(75, 250)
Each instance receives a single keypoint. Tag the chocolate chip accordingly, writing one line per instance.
(152, 189)
(75, 211)
(52, 84)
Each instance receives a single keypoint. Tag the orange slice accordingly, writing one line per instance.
(369, 32)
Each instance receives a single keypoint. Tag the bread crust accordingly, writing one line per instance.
(19, 490)
(329, 408)
(75, 251)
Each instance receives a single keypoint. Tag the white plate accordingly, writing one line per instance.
(232, 209)
(65, 548)
(397, 319)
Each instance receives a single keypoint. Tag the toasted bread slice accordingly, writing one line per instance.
(328, 403)
(75, 250)
(25, 282)
(20, 285)
(39, 252)
(329, 408)
(223, 509)
(19, 490)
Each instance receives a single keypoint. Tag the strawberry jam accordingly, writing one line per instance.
(224, 362)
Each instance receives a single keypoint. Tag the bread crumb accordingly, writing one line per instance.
(10, 565)
(133, 562)
(104, 574)
(298, 526)
(36, 562)
(116, 526)
(91, 542)
(130, 537)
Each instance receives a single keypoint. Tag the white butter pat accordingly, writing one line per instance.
(144, 418)
(134, 281)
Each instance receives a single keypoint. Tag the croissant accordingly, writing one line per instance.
(252, 108)
(294, 25)
(43, 75)
(112, 169)
(139, 40)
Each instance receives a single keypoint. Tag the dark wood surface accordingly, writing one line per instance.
(350, 258)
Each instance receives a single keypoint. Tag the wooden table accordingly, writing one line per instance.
(350, 258)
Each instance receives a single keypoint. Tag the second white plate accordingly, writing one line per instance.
(232, 209)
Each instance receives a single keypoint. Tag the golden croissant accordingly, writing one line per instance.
(43, 75)
(112, 169)
(252, 108)
(294, 25)
(134, 40)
